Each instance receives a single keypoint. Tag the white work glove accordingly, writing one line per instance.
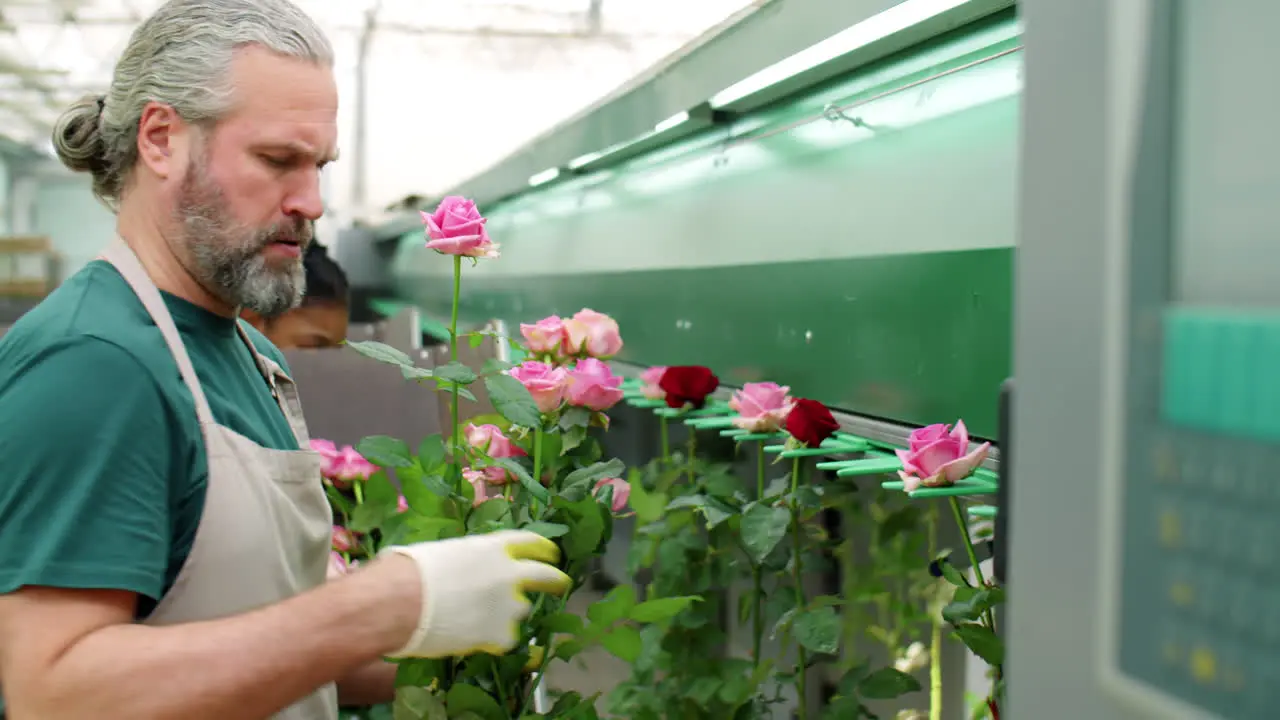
(473, 591)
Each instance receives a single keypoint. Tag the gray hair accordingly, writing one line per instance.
(180, 56)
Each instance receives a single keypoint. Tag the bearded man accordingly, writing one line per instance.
(164, 534)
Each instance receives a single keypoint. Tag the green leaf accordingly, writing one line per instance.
(586, 527)
(818, 630)
(491, 510)
(968, 604)
(651, 611)
(469, 698)
(714, 510)
(383, 451)
(951, 574)
(623, 642)
(378, 490)
(431, 453)
(648, 505)
(366, 518)
(455, 372)
(613, 607)
(414, 373)
(380, 352)
(475, 340)
(493, 366)
(595, 472)
(763, 527)
(428, 529)
(887, 684)
(563, 622)
(417, 703)
(575, 417)
(571, 439)
(526, 480)
(984, 643)
(512, 400)
(547, 530)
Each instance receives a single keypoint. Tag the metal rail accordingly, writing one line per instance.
(840, 110)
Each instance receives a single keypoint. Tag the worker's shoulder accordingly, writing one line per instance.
(93, 317)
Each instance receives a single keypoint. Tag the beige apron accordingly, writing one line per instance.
(265, 532)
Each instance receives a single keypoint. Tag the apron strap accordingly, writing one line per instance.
(126, 262)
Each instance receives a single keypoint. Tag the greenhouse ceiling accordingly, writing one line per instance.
(54, 51)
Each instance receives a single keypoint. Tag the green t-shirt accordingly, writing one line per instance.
(104, 470)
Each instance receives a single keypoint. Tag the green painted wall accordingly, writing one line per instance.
(869, 269)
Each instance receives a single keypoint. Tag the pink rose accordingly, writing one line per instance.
(328, 455)
(489, 440)
(593, 333)
(350, 465)
(761, 407)
(546, 384)
(621, 492)
(649, 380)
(457, 228)
(402, 505)
(495, 475)
(343, 539)
(938, 458)
(593, 385)
(477, 479)
(544, 337)
(337, 566)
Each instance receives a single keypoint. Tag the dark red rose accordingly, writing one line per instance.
(688, 385)
(810, 422)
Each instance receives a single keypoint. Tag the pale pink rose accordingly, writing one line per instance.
(337, 566)
(343, 539)
(939, 458)
(649, 380)
(593, 385)
(329, 453)
(495, 475)
(489, 440)
(544, 337)
(457, 228)
(350, 465)
(546, 384)
(402, 505)
(762, 407)
(592, 333)
(621, 492)
(477, 479)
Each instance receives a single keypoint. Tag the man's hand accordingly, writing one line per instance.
(473, 591)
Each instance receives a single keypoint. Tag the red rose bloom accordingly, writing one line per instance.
(810, 422)
(688, 385)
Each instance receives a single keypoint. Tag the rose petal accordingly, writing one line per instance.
(963, 467)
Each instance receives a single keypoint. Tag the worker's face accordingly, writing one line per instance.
(251, 192)
(314, 325)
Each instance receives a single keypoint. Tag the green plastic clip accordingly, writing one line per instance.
(876, 465)
(645, 403)
(708, 411)
(972, 485)
(983, 511)
(716, 422)
(744, 436)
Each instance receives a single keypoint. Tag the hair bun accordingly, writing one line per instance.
(77, 137)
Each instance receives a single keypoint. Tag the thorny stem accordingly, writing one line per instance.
(757, 574)
(537, 467)
(453, 356)
(988, 616)
(666, 442)
(935, 629)
(797, 577)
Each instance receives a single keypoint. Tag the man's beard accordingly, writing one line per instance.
(226, 255)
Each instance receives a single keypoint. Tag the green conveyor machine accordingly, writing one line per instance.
(834, 211)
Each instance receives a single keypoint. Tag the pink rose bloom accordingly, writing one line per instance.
(337, 566)
(649, 380)
(593, 333)
(938, 457)
(546, 384)
(621, 492)
(489, 440)
(402, 505)
(343, 539)
(593, 385)
(350, 465)
(544, 337)
(477, 479)
(457, 228)
(328, 455)
(761, 407)
(495, 475)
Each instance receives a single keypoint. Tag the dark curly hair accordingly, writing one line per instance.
(326, 282)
